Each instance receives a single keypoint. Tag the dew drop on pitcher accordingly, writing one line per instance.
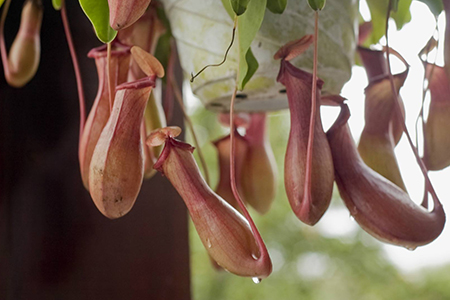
(256, 280)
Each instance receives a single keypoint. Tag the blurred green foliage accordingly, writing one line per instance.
(307, 265)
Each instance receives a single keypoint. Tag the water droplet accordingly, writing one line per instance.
(208, 242)
(411, 248)
(256, 280)
(254, 257)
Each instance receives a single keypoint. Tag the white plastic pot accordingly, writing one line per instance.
(202, 29)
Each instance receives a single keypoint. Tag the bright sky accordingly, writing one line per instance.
(409, 41)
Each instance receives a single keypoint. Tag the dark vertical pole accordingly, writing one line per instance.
(54, 244)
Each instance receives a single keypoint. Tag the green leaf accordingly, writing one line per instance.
(316, 4)
(378, 12)
(239, 6)
(435, 6)
(402, 15)
(276, 6)
(56, 4)
(394, 5)
(248, 25)
(252, 64)
(98, 13)
(1, 2)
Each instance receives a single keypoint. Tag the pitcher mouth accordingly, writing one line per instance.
(117, 49)
(138, 84)
(170, 142)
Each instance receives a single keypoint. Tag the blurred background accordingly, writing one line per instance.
(336, 259)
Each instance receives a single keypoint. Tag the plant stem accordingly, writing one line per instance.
(191, 127)
(423, 168)
(312, 121)
(425, 88)
(76, 67)
(4, 53)
(108, 70)
(259, 241)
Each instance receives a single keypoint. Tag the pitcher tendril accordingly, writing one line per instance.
(312, 120)
(264, 255)
(179, 98)
(233, 35)
(425, 87)
(76, 67)
(108, 76)
(422, 166)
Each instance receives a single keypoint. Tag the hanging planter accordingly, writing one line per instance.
(208, 34)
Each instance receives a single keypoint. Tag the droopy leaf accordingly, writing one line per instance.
(435, 6)
(248, 25)
(56, 4)
(394, 5)
(378, 12)
(239, 6)
(276, 6)
(252, 64)
(402, 15)
(98, 13)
